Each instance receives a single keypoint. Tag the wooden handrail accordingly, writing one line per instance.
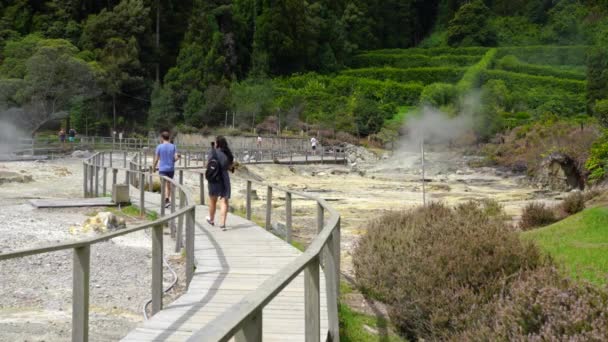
(243, 320)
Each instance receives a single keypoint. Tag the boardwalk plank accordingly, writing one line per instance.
(231, 264)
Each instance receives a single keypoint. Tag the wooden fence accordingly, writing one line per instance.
(93, 166)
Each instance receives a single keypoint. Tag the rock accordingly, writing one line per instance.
(559, 172)
(81, 154)
(279, 229)
(338, 172)
(385, 156)
(100, 223)
(14, 177)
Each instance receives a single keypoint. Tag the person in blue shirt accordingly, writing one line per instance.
(164, 161)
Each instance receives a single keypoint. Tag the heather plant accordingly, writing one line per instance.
(541, 305)
(438, 266)
(573, 203)
(536, 215)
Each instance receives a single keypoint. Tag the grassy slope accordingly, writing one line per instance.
(358, 327)
(579, 243)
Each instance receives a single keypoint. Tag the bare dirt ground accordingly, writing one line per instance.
(376, 187)
(36, 291)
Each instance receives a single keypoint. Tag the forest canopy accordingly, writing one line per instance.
(136, 65)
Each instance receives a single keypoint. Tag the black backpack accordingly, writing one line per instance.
(213, 174)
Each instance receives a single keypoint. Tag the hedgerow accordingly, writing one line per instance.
(472, 77)
(519, 81)
(512, 63)
(464, 51)
(411, 61)
(423, 75)
(548, 55)
(386, 91)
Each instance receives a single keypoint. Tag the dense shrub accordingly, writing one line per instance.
(373, 59)
(438, 94)
(573, 203)
(536, 215)
(437, 265)
(422, 75)
(541, 305)
(597, 163)
(523, 81)
(511, 63)
(523, 148)
(547, 54)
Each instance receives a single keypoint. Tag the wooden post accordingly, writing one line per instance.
(306, 152)
(104, 180)
(142, 189)
(322, 153)
(162, 196)
(181, 177)
(288, 216)
(91, 178)
(320, 217)
(124, 160)
(201, 180)
(251, 330)
(190, 221)
(312, 302)
(157, 268)
(268, 208)
(80, 294)
(85, 177)
(172, 224)
(96, 172)
(332, 281)
(127, 177)
(111, 162)
(248, 201)
(151, 179)
(114, 177)
(179, 240)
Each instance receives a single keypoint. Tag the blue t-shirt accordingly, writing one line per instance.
(166, 154)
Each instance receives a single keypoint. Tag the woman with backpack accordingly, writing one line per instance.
(219, 163)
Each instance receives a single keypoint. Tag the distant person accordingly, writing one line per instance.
(72, 135)
(220, 162)
(166, 155)
(313, 144)
(62, 136)
(259, 141)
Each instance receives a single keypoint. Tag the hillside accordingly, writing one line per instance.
(134, 65)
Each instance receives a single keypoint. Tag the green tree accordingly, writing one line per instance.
(120, 67)
(54, 77)
(162, 113)
(251, 98)
(470, 26)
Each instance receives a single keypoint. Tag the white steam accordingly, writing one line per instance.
(436, 127)
(10, 135)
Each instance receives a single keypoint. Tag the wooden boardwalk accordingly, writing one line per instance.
(229, 265)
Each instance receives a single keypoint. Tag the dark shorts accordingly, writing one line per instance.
(168, 174)
(314, 148)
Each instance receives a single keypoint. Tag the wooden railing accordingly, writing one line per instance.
(243, 321)
(185, 214)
